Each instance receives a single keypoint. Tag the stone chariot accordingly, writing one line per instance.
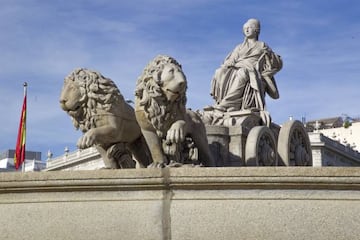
(244, 140)
(240, 130)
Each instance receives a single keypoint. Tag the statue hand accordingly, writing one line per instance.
(87, 140)
(176, 133)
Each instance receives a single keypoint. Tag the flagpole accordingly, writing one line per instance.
(25, 93)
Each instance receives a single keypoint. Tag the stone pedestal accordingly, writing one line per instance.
(228, 142)
(218, 139)
(237, 146)
(183, 203)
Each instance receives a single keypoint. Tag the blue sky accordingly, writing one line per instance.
(41, 41)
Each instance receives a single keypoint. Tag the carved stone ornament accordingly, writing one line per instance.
(237, 130)
(239, 87)
(98, 109)
(245, 76)
(175, 135)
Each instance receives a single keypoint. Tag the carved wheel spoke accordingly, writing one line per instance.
(260, 149)
(294, 145)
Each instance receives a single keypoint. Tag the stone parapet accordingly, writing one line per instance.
(86, 159)
(184, 203)
(328, 152)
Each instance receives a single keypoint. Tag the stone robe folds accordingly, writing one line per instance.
(246, 74)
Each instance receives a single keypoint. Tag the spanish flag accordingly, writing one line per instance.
(19, 157)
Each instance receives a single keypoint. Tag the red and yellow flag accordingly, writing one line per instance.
(19, 157)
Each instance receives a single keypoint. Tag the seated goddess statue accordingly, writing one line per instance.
(246, 74)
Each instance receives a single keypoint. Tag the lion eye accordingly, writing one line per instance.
(171, 70)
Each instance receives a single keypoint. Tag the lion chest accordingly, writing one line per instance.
(144, 122)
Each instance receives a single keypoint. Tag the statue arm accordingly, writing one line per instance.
(230, 59)
(271, 88)
(228, 62)
(269, 65)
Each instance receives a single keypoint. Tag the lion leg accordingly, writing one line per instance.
(155, 147)
(197, 131)
(126, 161)
(119, 153)
(205, 156)
(140, 151)
(109, 163)
(200, 139)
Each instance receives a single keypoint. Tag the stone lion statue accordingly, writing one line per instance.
(171, 132)
(108, 122)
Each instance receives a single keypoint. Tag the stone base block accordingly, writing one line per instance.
(184, 203)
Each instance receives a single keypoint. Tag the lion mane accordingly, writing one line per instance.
(158, 110)
(98, 93)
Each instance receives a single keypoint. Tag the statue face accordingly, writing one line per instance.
(249, 30)
(71, 97)
(173, 82)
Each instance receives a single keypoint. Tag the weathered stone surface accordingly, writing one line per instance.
(182, 203)
(218, 139)
(175, 135)
(245, 76)
(108, 122)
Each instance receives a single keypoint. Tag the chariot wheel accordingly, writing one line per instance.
(294, 145)
(260, 147)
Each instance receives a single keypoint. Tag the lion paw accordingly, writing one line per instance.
(156, 165)
(174, 164)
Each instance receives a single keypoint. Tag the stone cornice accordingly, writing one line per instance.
(331, 178)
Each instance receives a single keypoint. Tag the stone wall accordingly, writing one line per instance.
(184, 203)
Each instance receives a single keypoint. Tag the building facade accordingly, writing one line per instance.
(329, 152)
(348, 136)
(86, 159)
(345, 131)
(32, 161)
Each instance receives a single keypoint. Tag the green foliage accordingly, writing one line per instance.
(347, 124)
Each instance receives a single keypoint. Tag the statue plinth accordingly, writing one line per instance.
(182, 203)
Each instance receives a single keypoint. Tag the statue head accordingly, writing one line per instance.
(251, 28)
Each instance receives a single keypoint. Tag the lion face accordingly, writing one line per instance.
(71, 97)
(173, 82)
(160, 95)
